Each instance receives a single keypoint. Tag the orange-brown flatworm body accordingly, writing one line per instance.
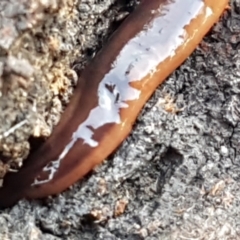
(150, 44)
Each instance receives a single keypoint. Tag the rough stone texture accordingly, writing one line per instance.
(177, 175)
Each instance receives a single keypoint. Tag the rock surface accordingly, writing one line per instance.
(177, 175)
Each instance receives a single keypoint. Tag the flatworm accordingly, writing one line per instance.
(150, 44)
